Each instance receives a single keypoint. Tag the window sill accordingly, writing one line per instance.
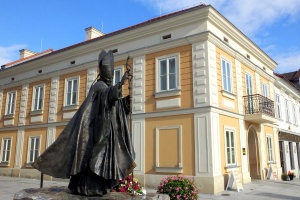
(168, 93)
(231, 168)
(228, 94)
(4, 164)
(169, 169)
(36, 112)
(71, 107)
(28, 165)
(10, 116)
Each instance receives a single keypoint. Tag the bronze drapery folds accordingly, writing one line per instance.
(95, 148)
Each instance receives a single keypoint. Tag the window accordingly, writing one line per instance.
(11, 100)
(291, 155)
(168, 73)
(269, 149)
(295, 114)
(226, 73)
(33, 152)
(278, 106)
(5, 149)
(264, 90)
(117, 76)
(287, 111)
(38, 98)
(230, 147)
(71, 92)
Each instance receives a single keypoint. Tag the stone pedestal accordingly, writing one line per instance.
(58, 193)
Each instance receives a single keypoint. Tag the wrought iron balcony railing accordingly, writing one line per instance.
(258, 104)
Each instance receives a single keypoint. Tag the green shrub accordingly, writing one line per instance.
(178, 187)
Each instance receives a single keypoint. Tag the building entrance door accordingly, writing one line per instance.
(253, 148)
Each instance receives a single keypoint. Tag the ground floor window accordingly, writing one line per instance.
(5, 149)
(269, 149)
(33, 152)
(230, 147)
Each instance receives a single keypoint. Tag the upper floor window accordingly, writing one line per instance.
(226, 75)
(269, 149)
(117, 75)
(287, 111)
(5, 149)
(264, 90)
(295, 114)
(278, 106)
(168, 73)
(38, 98)
(230, 147)
(34, 147)
(71, 91)
(11, 101)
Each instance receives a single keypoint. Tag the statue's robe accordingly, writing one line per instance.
(95, 148)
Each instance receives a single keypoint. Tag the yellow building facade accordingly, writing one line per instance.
(202, 100)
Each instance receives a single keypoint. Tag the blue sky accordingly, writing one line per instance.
(37, 25)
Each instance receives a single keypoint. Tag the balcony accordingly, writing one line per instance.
(259, 109)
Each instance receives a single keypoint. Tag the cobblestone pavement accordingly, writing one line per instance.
(257, 189)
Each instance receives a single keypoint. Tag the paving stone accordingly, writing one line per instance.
(62, 192)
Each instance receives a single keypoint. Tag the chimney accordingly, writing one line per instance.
(25, 53)
(91, 33)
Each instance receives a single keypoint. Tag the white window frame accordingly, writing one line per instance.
(66, 91)
(35, 88)
(278, 106)
(264, 90)
(9, 110)
(270, 145)
(177, 72)
(228, 77)
(287, 111)
(29, 160)
(230, 130)
(120, 69)
(5, 153)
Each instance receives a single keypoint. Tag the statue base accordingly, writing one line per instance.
(56, 193)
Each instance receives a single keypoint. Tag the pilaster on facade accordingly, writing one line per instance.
(138, 89)
(90, 78)
(207, 145)
(1, 101)
(239, 86)
(277, 151)
(53, 99)
(258, 84)
(138, 139)
(24, 97)
(212, 73)
(262, 148)
(272, 93)
(244, 145)
(19, 148)
(200, 74)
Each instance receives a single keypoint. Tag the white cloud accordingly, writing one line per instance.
(253, 16)
(10, 53)
(288, 62)
(249, 16)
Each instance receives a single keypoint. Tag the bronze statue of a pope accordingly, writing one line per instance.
(95, 148)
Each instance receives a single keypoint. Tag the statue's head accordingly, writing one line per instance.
(106, 67)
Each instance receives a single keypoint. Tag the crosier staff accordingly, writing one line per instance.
(129, 78)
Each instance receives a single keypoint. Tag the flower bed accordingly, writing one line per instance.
(178, 187)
